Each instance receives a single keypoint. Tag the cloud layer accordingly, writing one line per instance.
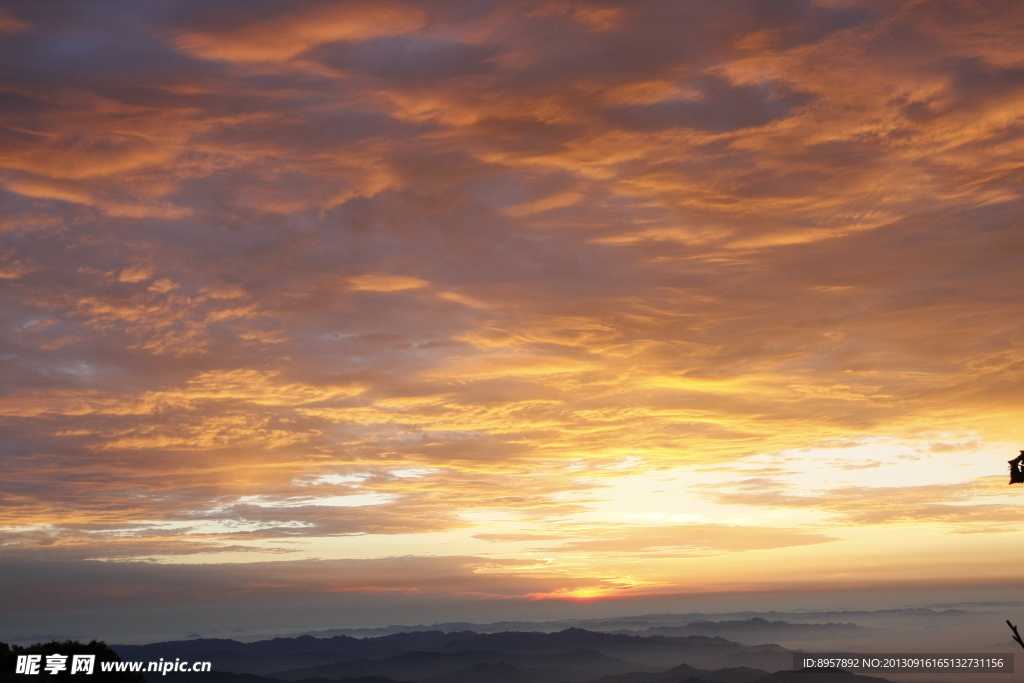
(340, 279)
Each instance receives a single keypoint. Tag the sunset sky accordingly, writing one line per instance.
(535, 302)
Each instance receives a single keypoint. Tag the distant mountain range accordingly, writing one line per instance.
(833, 619)
(569, 656)
(757, 629)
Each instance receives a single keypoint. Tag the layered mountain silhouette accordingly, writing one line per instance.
(571, 655)
(700, 623)
(756, 630)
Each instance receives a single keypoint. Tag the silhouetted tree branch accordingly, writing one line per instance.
(1016, 635)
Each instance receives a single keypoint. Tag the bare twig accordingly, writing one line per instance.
(1016, 635)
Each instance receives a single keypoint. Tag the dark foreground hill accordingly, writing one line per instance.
(819, 676)
(575, 665)
(504, 673)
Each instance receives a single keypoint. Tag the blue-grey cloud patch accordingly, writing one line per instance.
(974, 80)
(409, 60)
(23, 104)
(312, 133)
(791, 23)
(93, 45)
(721, 107)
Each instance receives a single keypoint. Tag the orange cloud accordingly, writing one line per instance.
(693, 539)
(288, 35)
(11, 24)
(384, 282)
